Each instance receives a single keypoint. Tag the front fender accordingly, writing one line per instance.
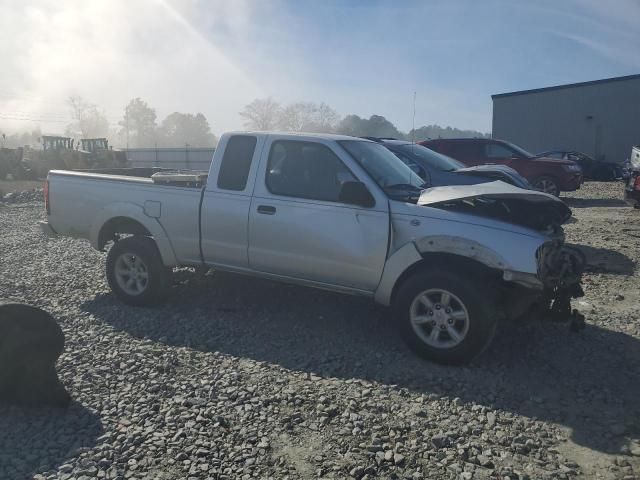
(465, 248)
(134, 212)
(517, 263)
(395, 266)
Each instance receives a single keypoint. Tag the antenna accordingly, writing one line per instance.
(413, 123)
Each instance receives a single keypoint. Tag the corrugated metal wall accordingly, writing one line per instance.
(180, 158)
(601, 119)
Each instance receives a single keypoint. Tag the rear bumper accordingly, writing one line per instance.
(47, 229)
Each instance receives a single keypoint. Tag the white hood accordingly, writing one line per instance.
(501, 201)
(495, 190)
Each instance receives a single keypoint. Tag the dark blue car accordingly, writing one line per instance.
(439, 170)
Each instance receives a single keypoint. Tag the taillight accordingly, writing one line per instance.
(47, 205)
(636, 183)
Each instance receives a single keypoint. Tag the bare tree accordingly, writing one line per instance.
(262, 114)
(88, 120)
(326, 118)
(297, 117)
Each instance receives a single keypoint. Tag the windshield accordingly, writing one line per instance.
(388, 171)
(433, 159)
(521, 151)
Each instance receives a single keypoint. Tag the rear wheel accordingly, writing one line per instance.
(444, 316)
(547, 185)
(136, 273)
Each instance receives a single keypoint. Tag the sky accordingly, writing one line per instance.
(359, 56)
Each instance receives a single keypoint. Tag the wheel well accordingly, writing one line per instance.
(120, 225)
(447, 261)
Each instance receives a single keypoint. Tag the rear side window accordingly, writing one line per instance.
(305, 170)
(495, 150)
(464, 150)
(236, 162)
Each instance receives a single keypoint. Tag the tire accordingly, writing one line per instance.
(135, 272)
(468, 297)
(546, 184)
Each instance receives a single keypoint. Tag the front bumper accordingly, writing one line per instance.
(560, 269)
(47, 229)
(572, 182)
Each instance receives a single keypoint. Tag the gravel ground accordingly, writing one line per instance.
(243, 378)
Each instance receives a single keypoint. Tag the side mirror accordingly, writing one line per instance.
(356, 193)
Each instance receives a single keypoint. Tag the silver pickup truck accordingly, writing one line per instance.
(332, 212)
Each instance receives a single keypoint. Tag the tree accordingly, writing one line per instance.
(375, 126)
(88, 120)
(296, 117)
(326, 118)
(179, 129)
(138, 124)
(308, 117)
(436, 131)
(262, 114)
(352, 125)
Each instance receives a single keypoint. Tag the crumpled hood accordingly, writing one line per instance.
(501, 201)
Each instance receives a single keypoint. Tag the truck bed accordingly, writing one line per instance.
(164, 176)
(81, 200)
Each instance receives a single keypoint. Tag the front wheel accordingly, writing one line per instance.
(136, 273)
(547, 185)
(444, 317)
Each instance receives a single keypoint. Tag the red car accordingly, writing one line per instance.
(546, 174)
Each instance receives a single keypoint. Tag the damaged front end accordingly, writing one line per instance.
(560, 269)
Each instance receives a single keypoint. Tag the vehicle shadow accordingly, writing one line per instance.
(605, 260)
(588, 381)
(594, 202)
(41, 439)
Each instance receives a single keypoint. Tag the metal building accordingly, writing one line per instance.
(600, 118)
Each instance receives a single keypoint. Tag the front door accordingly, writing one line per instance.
(299, 229)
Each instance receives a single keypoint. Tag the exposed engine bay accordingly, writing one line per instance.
(498, 200)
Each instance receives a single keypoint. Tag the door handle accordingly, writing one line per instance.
(266, 209)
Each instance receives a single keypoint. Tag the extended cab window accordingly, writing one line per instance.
(236, 162)
(305, 170)
(495, 150)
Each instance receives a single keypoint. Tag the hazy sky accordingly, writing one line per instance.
(359, 56)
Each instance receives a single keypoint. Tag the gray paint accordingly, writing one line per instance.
(601, 119)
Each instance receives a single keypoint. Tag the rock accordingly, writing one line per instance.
(398, 458)
(356, 472)
(440, 441)
(30, 343)
(491, 419)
